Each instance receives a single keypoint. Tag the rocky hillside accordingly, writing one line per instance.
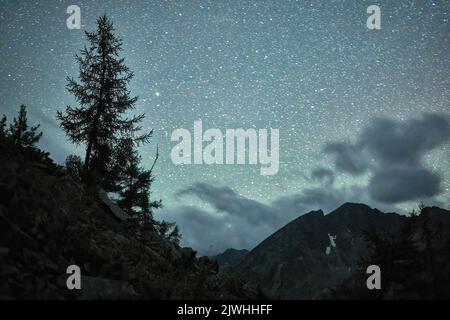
(48, 222)
(315, 253)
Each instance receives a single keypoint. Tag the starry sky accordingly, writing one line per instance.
(345, 98)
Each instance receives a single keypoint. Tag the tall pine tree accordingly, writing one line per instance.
(99, 121)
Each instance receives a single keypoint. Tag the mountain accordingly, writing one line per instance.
(49, 222)
(315, 253)
(229, 257)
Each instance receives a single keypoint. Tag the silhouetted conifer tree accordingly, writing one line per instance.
(19, 131)
(74, 167)
(135, 181)
(175, 235)
(169, 230)
(3, 126)
(414, 261)
(102, 93)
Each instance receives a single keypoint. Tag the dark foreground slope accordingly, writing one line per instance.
(314, 254)
(48, 222)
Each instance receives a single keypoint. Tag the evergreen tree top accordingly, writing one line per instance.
(20, 132)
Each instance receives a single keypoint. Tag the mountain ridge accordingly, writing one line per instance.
(229, 257)
(315, 252)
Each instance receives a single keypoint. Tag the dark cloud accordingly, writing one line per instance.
(224, 199)
(211, 233)
(325, 198)
(323, 175)
(393, 142)
(347, 157)
(392, 185)
(393, 151)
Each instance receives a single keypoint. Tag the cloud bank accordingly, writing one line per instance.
(239, 222)
(393, 152)
(390, 152)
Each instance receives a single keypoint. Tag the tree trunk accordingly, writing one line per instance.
(99, 109)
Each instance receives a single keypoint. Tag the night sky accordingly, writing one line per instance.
(360, 111)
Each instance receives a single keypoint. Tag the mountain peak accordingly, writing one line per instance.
(230, 256)
(318, 213)
(354, 205)
(350, 208)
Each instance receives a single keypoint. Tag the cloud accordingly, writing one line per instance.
(239, 222)
(394, 142)
(323, 175)
(392, 152)
(347, 157)
(224, 199)
(325, 198)
(211, 233)
(392, 185)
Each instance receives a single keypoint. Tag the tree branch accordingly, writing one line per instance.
(156, 158)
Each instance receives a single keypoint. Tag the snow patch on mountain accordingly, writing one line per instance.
(332, 244)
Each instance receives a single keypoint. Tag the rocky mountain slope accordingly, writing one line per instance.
(316, 253)
(48, 222)
(229, 257)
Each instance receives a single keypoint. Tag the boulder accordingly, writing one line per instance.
(112, 207)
